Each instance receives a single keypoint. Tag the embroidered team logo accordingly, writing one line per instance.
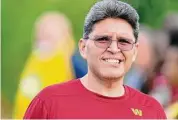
(137, 112)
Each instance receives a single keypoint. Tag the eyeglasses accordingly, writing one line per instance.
(123, 44)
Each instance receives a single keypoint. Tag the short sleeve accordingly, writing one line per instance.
(161, 114)
(36, 110)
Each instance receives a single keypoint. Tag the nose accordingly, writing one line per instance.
(113, 48)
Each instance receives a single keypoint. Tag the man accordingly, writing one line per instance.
(109, 45)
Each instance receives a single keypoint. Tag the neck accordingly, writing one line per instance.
(110, 88)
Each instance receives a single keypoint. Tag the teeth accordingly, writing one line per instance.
(112, 60)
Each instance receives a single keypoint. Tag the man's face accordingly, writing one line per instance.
(110, 62)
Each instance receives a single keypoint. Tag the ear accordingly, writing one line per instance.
(82, 47)
(135, 52)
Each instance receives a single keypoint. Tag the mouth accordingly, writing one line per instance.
(112, 60)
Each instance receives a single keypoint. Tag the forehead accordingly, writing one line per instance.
(112, 26)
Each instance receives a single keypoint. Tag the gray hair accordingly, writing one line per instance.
(111, 9)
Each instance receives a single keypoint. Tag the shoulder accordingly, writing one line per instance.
(147, 102)
(61, 89)
(44, 101)
(143, 99)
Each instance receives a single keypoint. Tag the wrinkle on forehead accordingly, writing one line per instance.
(113, 27)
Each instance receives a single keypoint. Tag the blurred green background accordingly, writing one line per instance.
(18, 17)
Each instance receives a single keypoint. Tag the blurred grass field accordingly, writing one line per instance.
(18, 18)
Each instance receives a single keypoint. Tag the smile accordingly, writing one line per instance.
(112, 61)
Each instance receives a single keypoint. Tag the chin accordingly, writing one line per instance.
(112, 76)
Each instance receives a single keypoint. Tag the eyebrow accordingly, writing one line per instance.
(109, 36)
(101, 36)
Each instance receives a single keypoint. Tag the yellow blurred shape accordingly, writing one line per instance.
(49, 62)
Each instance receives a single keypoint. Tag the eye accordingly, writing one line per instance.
(102, 39)
(124, 41)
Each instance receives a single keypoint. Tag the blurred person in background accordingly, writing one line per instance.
(109, 45)
(137, 76)
(156, 86)
(79, 64)
(169, 70)
(50, 60)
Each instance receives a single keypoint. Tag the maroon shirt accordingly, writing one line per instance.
(73, 100)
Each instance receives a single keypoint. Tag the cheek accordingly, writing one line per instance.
(129, 56)
(93, 52)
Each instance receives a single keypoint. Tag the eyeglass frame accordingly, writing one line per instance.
(110, 42)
